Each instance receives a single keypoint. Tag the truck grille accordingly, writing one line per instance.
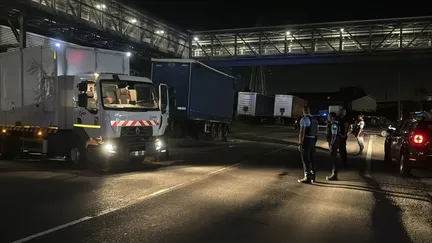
(146, 131)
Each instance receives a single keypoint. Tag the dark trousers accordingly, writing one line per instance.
(308, 155)
(333, 154)
(343, 150)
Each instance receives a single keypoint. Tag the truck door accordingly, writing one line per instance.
(87, 111)
(164, 107)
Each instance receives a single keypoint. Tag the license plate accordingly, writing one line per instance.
(138, 153)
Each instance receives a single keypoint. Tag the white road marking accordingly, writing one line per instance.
(31, 237)
(140, 199)
(369, 157)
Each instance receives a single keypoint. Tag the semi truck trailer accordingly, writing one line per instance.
(287, 108)
(81, 104)
(254, 107)
(201, 97)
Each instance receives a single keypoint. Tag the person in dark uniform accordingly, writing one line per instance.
(333, 145)
(328, 129)
(307, 145)
(344, 127)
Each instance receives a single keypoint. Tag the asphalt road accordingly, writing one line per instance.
(235, 192)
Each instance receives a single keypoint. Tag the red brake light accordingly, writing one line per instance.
(418, 139)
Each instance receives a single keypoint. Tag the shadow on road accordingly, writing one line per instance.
(404, 195)
(386, 217)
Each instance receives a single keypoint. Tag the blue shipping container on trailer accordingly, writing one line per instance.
(201, 92)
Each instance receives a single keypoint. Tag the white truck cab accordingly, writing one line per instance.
(121, 115)
(86, 107)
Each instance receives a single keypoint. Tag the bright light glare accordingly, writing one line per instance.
(196, 38)
(160, 32)
(98, 6)
(133, 21)
(158, 144)
(3, 130)
(57, 44)
(128, 54)
(103, 6)
(96, 75)
(288, 33)
(341, 30)
(109, 148)
(39, 133)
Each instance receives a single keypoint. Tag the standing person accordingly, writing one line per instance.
(359, 133)
(328, 129)
(333, 145)
(307, 145)
(344, 127)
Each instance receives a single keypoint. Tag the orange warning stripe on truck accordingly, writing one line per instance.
(5, 129)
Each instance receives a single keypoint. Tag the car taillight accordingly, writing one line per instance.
(418, 139)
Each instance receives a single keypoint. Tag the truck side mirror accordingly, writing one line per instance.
(164, 98)
(82, 86)
(82, 100)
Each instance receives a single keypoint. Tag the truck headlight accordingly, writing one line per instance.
(110, 148)
(158, 144)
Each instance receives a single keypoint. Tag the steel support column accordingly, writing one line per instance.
(23, 29)
(190, 45)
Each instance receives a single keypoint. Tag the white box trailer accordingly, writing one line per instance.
(255, 104)
(72, 101)
(31, 93)
(288, 106)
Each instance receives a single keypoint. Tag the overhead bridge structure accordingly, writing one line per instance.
(99, 23)
(382, 39)
(109, 24)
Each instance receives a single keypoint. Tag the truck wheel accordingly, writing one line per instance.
(225, 132)
(78, 157)
(220, 131)
(214, 131)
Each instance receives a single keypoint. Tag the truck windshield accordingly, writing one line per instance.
(128, 95)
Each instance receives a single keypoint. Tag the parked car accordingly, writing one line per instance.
(377, 125)
(410, 144)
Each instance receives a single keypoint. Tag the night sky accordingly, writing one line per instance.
(374, 78)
